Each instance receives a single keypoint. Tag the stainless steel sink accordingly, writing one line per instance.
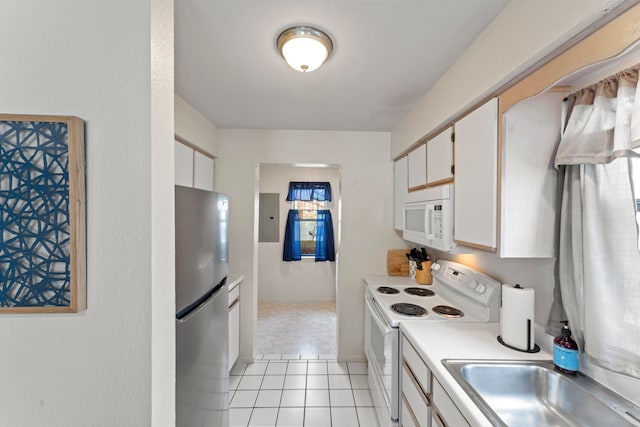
(533, 393)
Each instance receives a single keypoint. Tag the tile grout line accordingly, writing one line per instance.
(350, 372)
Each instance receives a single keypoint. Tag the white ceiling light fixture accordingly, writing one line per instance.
(304, 48)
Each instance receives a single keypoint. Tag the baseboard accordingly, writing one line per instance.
(299, 300)
(351, 358)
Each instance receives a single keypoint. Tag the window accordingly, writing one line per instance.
(308, 221)
(309, 229)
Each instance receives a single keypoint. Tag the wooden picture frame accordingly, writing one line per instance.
(42, 212)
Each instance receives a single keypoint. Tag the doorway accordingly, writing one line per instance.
(296, 314)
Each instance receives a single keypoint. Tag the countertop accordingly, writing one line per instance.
(234, 280)
(435, 341)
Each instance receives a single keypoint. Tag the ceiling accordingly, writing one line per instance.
(387, 54)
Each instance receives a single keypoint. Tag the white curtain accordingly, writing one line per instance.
(599, 259)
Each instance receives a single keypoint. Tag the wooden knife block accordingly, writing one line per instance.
(424, 277)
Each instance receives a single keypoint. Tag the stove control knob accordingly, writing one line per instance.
(481, 288)
(435, 266)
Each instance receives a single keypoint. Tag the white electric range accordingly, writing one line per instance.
(458, 294)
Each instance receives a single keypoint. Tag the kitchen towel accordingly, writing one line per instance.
(517, 317)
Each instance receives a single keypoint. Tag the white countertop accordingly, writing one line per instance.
(234, 280)
(435, 341)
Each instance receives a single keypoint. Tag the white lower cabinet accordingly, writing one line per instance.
(425, 403)
(409, 418)
(234, 325)
(415, 388)
(444, 412)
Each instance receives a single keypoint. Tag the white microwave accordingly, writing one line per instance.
(430, 222)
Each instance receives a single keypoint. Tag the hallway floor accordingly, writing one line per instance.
(297, 380)
(294, 390)
(296, 328)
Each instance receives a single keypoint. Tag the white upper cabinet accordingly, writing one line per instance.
(440, 158)
(192, 168)
(203, 171)
(400, 191)
(475, 195)
(183, 157)
(528, 180)
(417, 168)
(510, 173)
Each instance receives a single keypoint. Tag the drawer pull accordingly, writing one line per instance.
(439, 419)
(408, 406)
(425, 397)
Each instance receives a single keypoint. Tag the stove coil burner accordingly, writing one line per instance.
(447, 311)
(421, 292)
(409, 309)
(388, 290)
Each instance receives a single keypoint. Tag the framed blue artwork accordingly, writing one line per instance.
(42, 213)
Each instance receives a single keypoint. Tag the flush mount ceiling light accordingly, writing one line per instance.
(304, 48)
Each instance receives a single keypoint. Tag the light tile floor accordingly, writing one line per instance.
(296, 328)
(296, 390)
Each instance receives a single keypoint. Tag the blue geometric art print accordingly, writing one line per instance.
(34, 214)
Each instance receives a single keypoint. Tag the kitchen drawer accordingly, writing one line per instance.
(234, 294)
(417, 366)
(446, 413)
(234, 334)
(408, 418)
(415, 400)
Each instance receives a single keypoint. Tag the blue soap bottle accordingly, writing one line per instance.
(565, 351)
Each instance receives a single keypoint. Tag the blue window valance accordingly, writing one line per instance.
(308, 191)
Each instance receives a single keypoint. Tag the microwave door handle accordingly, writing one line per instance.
(429, 222)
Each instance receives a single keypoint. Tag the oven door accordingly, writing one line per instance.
(382, 351)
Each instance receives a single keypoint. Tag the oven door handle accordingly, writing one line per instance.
(377, 316)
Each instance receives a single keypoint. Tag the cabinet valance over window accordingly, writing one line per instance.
(308, 191)
(604, 121)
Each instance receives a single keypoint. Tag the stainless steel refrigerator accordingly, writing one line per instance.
(202, 322)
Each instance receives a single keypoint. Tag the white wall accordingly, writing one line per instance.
(305, 280)
(112, 364)
(192, 127)
(367, 213)
(523, 33)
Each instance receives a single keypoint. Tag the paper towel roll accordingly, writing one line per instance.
(517, 317)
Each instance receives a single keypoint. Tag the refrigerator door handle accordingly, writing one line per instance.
(188, 312)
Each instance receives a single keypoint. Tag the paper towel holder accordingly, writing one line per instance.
(536, 347)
